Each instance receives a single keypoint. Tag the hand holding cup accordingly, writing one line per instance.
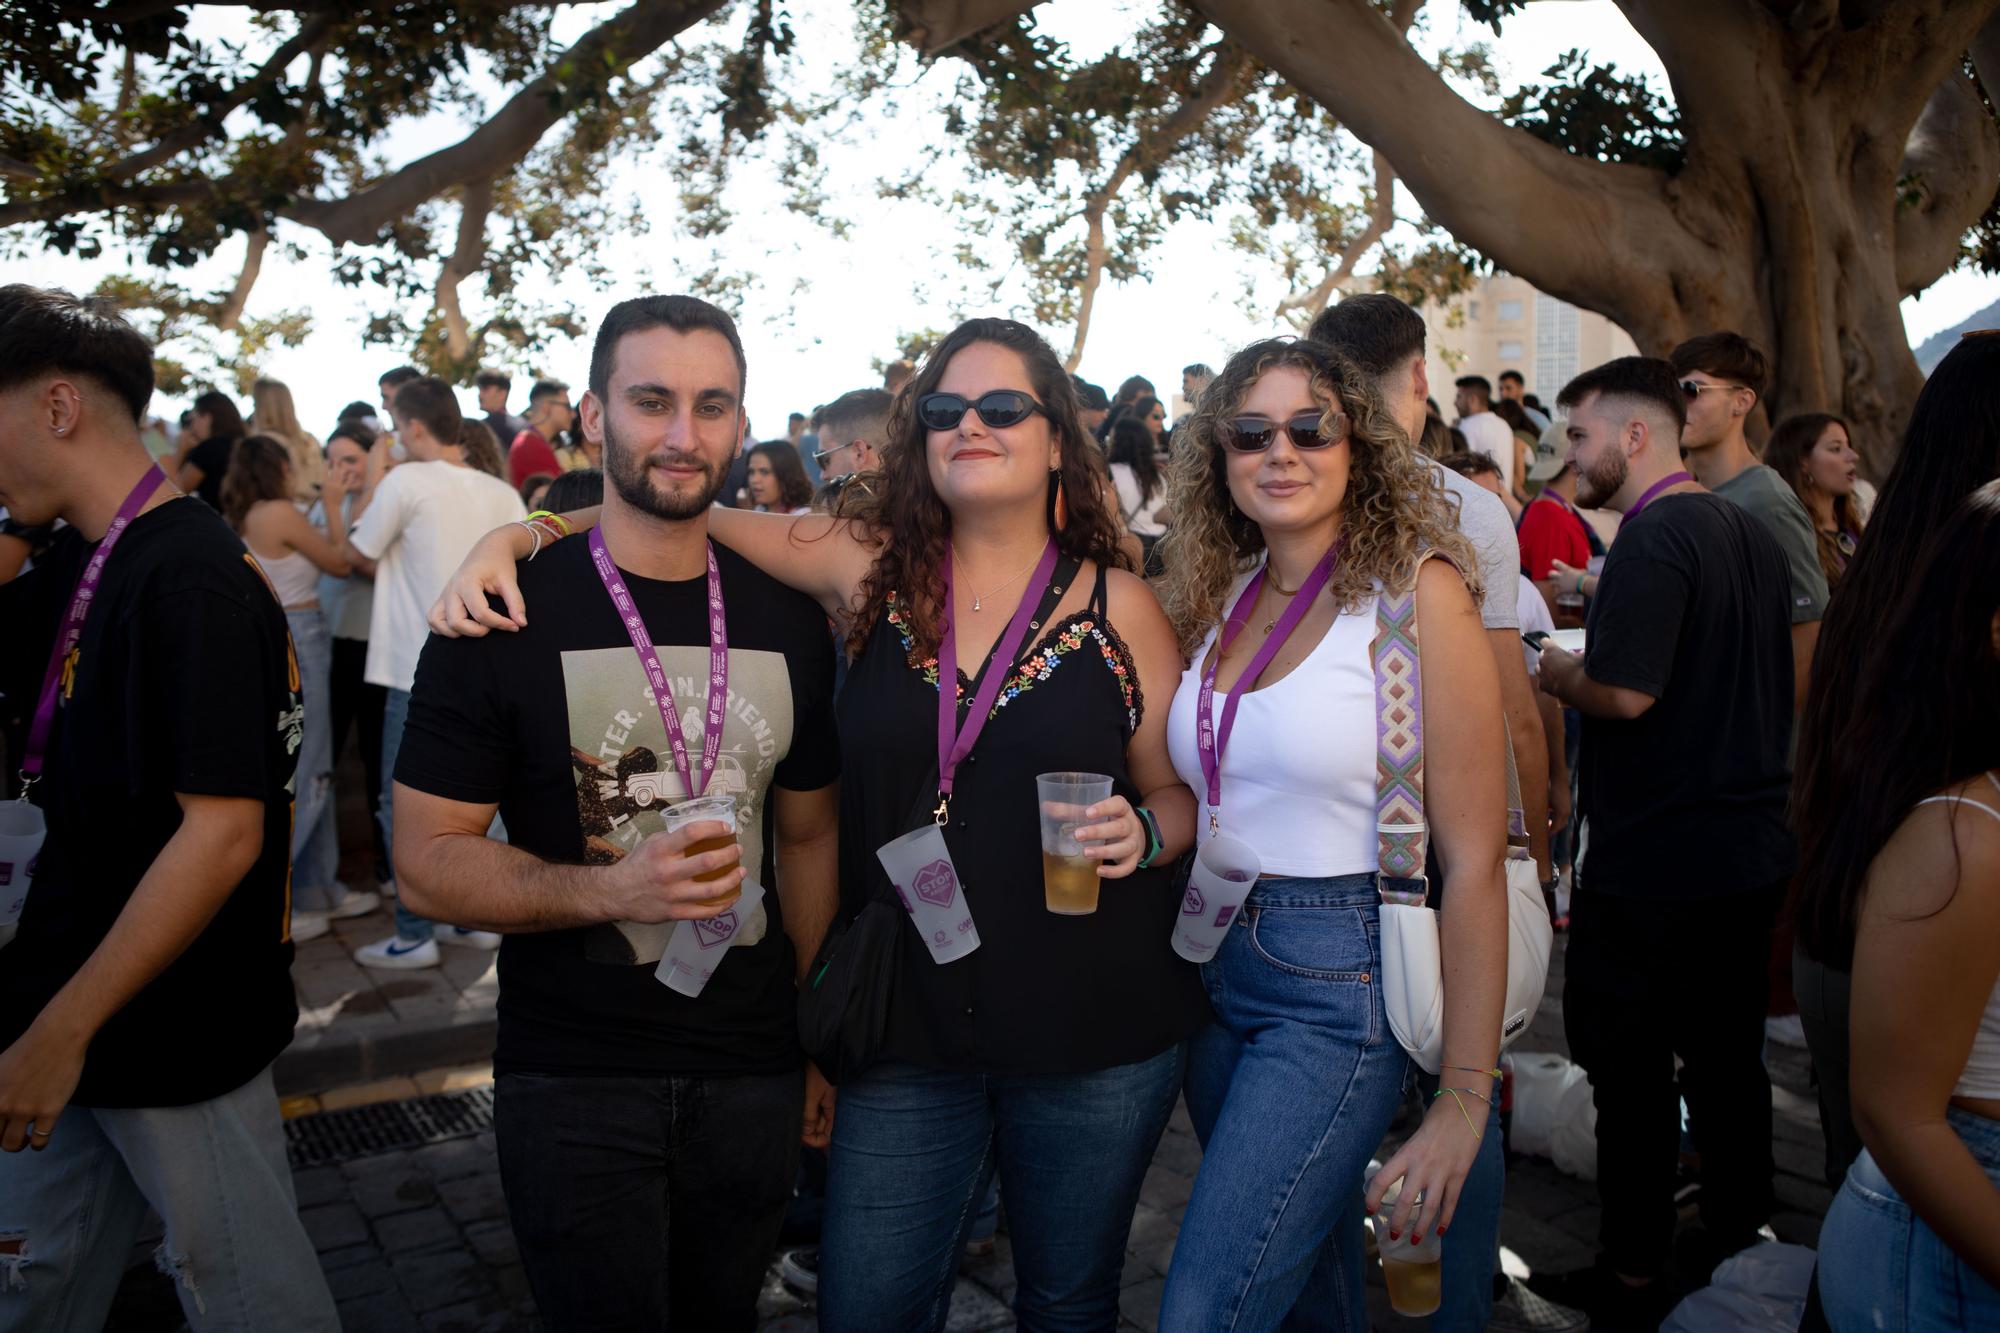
(657, 880)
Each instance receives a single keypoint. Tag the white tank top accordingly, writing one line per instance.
(1981, 1077)
(293, 577)
(1298, 775)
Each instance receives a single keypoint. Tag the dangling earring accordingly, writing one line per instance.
(1062, 502)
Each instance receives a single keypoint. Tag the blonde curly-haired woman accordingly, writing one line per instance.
(1298, 502)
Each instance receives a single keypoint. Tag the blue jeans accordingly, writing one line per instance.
(216, 1174)
(396, 712)
(315, 841)
(1290, 1090)
(913, 1150)
(1472, 1251)
(1882, 1267)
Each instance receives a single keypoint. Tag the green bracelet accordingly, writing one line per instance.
(1153, 844)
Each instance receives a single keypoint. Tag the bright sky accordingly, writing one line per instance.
(823, 308)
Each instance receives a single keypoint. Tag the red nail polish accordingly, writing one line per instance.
(1395, 1235)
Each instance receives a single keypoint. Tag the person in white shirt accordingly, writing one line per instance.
(1485, 433)
(421, 520)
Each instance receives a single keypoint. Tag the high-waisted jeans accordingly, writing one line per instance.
(1291, 1090)
(1882, 1268)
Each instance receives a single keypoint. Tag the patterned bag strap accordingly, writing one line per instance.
(1402, 837)
(1400, 833)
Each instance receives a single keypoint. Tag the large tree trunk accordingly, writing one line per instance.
(1785, 221)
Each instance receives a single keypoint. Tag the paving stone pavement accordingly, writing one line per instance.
(419, 1240)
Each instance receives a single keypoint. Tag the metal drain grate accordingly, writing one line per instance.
(363, 1131)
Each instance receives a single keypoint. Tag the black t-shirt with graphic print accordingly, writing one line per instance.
(556, 724)
(183, 682)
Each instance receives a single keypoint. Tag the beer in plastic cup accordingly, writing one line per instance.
(702, 809)
(1069, 878)
(919, 865)
(1413, 1270)
(697, 948)
(22, 830)
(1225, 870)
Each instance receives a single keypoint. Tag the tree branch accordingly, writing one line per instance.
(209, 124)
(1951, 166)
(1472, 173)
(1151, 148)
(1302, 307)
(511, 132)
(230, 313)
(934, 26)
(466, 258)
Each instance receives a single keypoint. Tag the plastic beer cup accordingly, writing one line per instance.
(22, 830)
(919, 865)
(1225, 870)
(719, 809)
(1069, 878)
(1412, 1269)
(697, 947)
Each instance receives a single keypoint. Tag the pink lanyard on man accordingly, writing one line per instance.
(1210, 739)
(656, 675)
(1646, 497)
(71, 633)
(953, 743)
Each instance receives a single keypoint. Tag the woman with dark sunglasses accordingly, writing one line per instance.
(1052, 1054)
(1298, 503)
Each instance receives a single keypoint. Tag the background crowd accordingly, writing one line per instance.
(1762, 798)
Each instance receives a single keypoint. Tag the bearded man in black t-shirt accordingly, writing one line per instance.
(1685, 689)
(648, 1140)
(148, 988)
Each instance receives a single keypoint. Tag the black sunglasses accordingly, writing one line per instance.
(1000, 408)
(1251, 435)
(1692, 389)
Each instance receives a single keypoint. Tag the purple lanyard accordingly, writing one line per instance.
(72, 625)
(953, 743)
(1671, 479)
(663, 693)
(1210, 738)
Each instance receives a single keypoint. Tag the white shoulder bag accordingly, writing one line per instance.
(1412, 963)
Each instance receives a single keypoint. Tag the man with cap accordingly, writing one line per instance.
(1551, 530)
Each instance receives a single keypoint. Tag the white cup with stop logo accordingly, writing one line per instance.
(697, 947)
(919, 865)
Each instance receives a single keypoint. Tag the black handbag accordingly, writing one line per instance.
(844, 1000)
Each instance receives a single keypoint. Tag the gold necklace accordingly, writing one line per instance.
(1271, 581)
(979, 597)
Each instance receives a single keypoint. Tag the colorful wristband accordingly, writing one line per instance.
(556, 521)
(1153, 844)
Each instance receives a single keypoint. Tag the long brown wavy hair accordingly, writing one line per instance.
(1792, 442)
(1395, 510)
(901, 510)
(258, 469)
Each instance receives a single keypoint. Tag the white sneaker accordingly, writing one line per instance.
(488, 940)
(1786, 1030)
(308, 926)
(398, 954)
(356, 903)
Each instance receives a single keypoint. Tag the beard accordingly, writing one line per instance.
(626, 470)
(1597, 484)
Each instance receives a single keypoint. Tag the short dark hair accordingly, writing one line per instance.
(1479, 384)
(1198, 368)
(1646, 378)
(493, 379)
(1515, 376)
(796, 416)
(429, 400)
(224, 417)
(397, 378)
(1133, 387)
(1374, 330)
(1531, 400)
(1725, 355)
(356, 409)
(47, 329)
(547, 389)
(856, 412)
(1089, 397)
(355, 429)
(682, 314)
(578, 488)
(1467, 463)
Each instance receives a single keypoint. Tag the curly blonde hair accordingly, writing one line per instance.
(1395, 511)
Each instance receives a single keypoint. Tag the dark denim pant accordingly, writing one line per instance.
(913, 1150)
(647, 1202)
(1649, 979)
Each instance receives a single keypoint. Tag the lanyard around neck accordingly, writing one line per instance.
(1646, 497)
(955, 743)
